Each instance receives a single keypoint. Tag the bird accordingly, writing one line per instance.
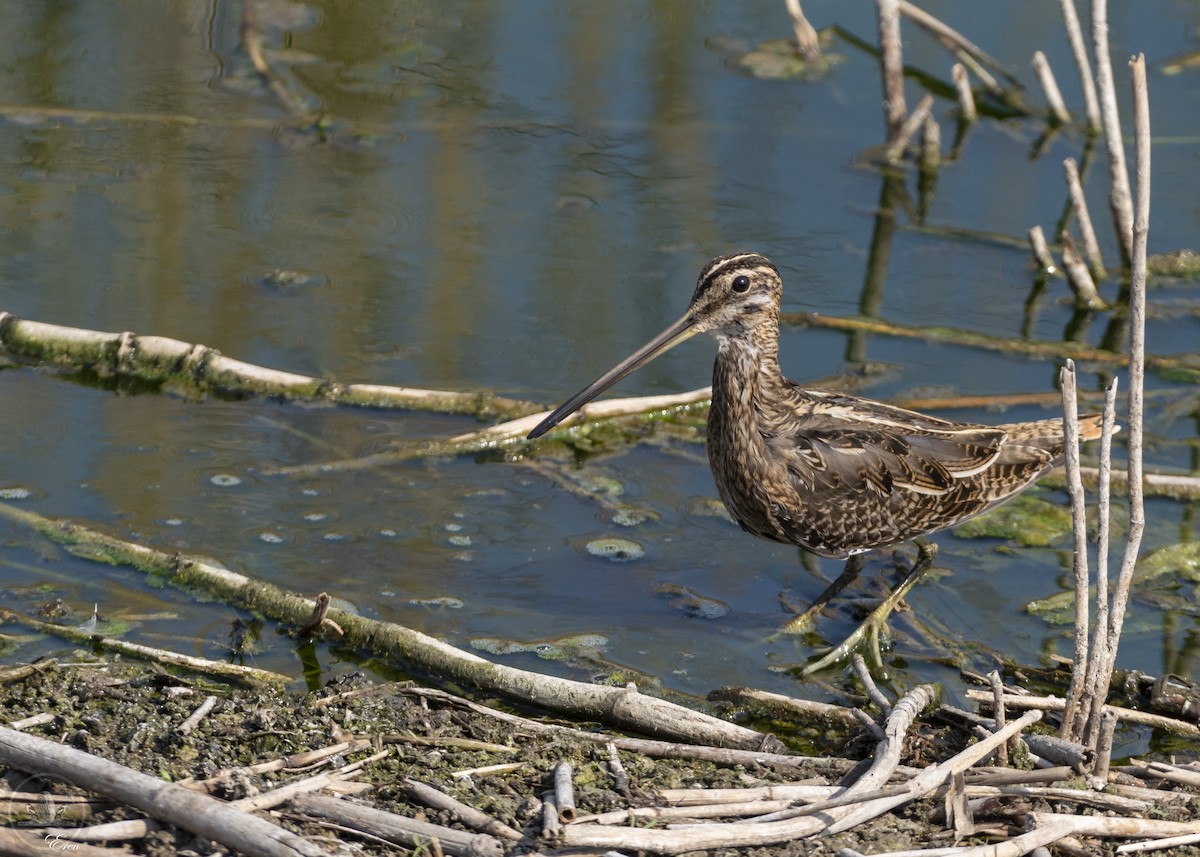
(833, 473)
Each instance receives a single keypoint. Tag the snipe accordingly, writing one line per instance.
(833, 473)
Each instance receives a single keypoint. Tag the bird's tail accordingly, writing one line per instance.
(1089, 426)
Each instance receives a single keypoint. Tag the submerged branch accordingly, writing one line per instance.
(204, 666)
(1079, 351)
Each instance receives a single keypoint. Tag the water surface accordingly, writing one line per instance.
(509, 197)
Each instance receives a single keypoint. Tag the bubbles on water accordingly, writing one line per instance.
(225, 480)
(570, 203)
(448, 602)
(15, 492)
(615, 549)
(271, 538)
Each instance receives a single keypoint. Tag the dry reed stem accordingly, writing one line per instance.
(931, 144)
(933, 777)
(807, 41)
(891, 63)
(1104, 744)
(551, 826)
(398, 829)
(281, 793)
(1045, 76)
(966, 98)
(1079, 278)
(1098, 825)
(1019, 845)
(1087, 232)
(1137, 373)
(617, 770)
(790, 792)
(966, 51)
(1119, 198)
(1082, 63)
(434, 797)
(998, 707)
(1072, 720)
(1158, 844)
(1041, 252)
(198, 813)
(738, 834)
(895, 147)
(632, 815)
(1127, 715)
(868, 682)
(1095, 688)
(564, 792)
(199, 714)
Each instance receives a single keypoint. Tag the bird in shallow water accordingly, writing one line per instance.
(832, 473)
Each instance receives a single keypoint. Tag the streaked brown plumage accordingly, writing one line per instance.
(833, 473)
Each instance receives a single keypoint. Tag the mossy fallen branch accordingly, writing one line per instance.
(160, 360)
(620, 707)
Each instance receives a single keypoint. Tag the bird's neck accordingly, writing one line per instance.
(747, 367)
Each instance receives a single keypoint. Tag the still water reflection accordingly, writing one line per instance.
(507, 196)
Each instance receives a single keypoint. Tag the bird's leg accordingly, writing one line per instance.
(800, 624)
(926, 553)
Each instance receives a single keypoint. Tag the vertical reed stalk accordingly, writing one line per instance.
(1087, 232)
(1071, 719)
(966, 98)
(1137, 373)
(1079, 49)
(1119, 198)
(892, 64)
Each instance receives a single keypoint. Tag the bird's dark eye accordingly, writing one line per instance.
(740, 284)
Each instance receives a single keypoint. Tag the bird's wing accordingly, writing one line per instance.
(846, 444)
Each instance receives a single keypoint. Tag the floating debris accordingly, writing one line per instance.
(778, 59)
(691, 602)
(579, 646)
(631, 516)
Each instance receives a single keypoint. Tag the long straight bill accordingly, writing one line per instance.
(665, 341)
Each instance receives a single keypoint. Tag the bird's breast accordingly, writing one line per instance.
(751, 481)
